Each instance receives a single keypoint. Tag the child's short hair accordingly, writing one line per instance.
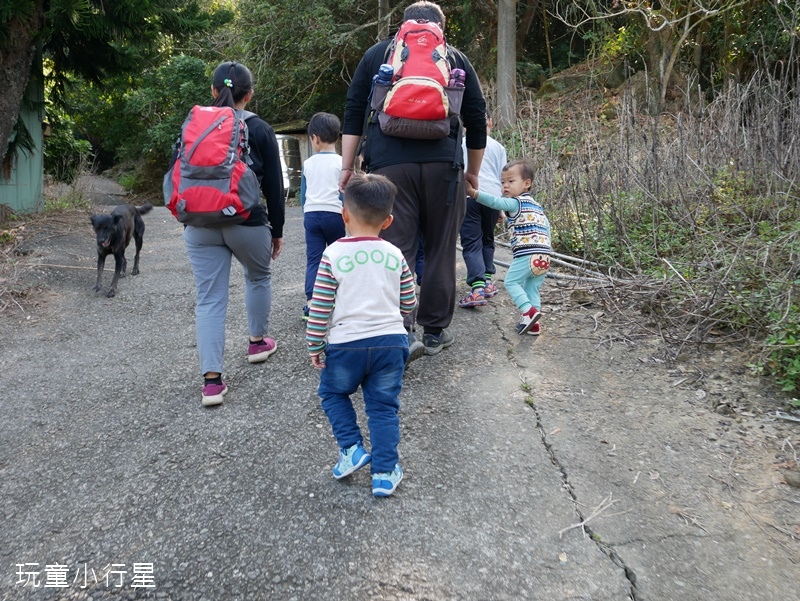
(370, 198)
(326, 126)
(525, 168)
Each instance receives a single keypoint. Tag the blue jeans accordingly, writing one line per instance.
(420, 261)
(322, 228)
(377, 365)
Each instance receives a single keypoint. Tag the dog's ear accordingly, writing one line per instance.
(94, 219)
(117, 218)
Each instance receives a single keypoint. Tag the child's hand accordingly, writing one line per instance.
(471, 183)
(316, 361)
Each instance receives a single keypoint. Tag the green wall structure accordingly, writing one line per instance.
(23, 193)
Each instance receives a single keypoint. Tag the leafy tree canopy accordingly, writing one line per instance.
(94, 39)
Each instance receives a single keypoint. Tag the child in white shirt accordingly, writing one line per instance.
(319, 194)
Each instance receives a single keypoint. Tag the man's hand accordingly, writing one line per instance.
(277, 247)
(471, 183)
(344, 178)
(316, 361)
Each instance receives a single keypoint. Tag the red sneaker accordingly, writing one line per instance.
(527, 320)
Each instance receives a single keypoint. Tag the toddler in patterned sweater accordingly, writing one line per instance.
(530, 241)
(362, 292)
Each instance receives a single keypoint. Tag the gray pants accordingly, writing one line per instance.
(210, 251)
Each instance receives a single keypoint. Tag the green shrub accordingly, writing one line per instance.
(784, 338)
(65, 156)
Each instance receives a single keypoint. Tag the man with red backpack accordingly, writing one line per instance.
(410, 131)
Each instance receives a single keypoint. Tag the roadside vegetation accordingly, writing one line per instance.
(695, 215)
(667, 138)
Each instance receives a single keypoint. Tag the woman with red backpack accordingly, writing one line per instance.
(254, 242)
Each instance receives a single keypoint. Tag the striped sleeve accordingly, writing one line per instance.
(320, 307)
(408, 292)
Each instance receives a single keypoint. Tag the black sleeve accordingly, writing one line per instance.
(473, 107)
(267, 166)
(357, 94)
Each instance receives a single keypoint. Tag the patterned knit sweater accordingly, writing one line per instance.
(363, 289)
(530, 228)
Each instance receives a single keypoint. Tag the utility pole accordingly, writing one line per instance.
(507, 63)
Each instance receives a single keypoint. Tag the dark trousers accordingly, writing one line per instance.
(322, 228)
(428, 205)
(477, 241)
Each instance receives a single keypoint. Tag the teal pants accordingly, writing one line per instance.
(522, 285)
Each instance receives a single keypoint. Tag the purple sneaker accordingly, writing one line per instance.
(213, 393)
(261, 350)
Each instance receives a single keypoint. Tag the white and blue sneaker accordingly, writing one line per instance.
(351, 459)
(384, 484)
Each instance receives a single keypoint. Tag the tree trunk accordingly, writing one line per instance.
(524, 27)
(507, 63)
(383, 19)
(16, 57)
(547, 40)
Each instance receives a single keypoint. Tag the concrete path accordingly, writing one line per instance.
(111, 469)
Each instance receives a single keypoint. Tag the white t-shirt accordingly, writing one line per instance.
(494, 159)
(363, 289)
(321, 174)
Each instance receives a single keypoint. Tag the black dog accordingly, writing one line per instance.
(113, 236)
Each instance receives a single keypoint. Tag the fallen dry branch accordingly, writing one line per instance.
(576, 264)
(604, 504)
(688, 518)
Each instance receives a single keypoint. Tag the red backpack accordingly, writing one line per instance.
(419, 101)
(210, 183)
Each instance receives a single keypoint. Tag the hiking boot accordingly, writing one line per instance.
(434, 343)
(536, 329)
(415, 348)
(305, 313)
(475, 298)
(489, 290)
(351, 459)
(261, 350)
(527, 320)
(213, 393)
(384, 484)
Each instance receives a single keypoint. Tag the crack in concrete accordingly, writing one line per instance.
(607, 549)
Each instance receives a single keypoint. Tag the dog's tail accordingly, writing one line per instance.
(145, 208)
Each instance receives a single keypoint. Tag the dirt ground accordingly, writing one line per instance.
(673, 460)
